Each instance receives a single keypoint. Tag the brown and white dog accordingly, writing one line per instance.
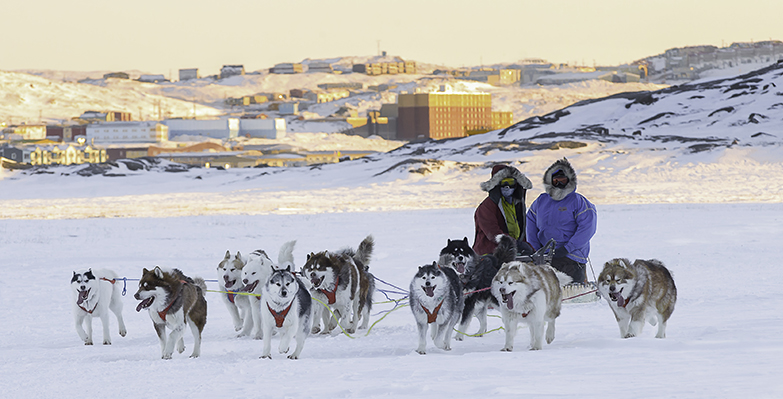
(637, 292)
(341, 280)
(530, 294)
(174, 301)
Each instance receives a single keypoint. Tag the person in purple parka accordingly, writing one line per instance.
(565, 215)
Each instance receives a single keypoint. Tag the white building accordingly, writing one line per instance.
(288, 108)
(127, 132)
(187, 74)
(152, 78)
(229, 128)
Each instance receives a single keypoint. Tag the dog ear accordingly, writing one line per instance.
(74, 278)
(465, 239)
(228, 255)
(158, 272)
(448, 241)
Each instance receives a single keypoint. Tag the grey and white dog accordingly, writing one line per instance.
(255, 273)
(436, 301)
(229, 278)
(637, 292)
(94, 295)
(530, 294)
(286, 306)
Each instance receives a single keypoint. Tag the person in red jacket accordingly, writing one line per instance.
(503, 211)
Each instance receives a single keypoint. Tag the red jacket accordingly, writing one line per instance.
(489, 220)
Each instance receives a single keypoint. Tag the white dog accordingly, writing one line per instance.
(94, 295)
(528, 293)
(229, 273)
(255, 274)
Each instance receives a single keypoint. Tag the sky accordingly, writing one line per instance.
(162, 37)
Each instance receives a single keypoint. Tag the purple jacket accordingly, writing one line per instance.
(562, 214)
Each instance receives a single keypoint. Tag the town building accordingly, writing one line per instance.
(425, 116)
(228, 71)
(25, 132)
(127, 132)
(319, 66)
(116, 75)
(188, 74)
(152, 78)
(67, 155)
(287, 68)
(288, 108)
(66, 132)
(228, 128)
(106, 116)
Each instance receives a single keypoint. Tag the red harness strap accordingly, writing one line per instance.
(231, 297)
(162, 313)
(111, 281)
(89, 311)
(431, 317)
(331, 295)
(280, 317)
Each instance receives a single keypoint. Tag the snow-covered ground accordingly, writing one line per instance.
(710, 208)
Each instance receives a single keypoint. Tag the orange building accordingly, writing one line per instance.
(442, 115)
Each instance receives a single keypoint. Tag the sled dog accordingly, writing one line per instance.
(478, 280)
(342, 281)
(638, 291)
(436, 299)
(285, 305)
(229, 277)
(173, 300)
(458, 255)
(530, 294)
(94, 295)
(255, 273)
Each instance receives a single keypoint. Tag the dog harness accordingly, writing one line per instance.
(431, 317)
(331, 295)
(280, 317)
(162, 313)
(231, 297)
(96, 303)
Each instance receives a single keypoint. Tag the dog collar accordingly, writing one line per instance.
(231, 297)
(431, 317)
(280, 316)
(89, 311)
(331, 295)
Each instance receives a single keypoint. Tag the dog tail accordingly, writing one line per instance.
(506, 250)
(200, 283)
(286, 256)
(364, 252)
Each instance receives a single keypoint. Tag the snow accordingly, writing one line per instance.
(714, 217)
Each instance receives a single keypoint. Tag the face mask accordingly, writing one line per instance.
(507, 191)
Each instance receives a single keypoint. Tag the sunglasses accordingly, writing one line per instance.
(511, 185)
(560, 180)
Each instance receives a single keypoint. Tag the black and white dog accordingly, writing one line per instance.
(94, 295)
(477, 281)
(435, 299)
(286, 306)
(173, 301)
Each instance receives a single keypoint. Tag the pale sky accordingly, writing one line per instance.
(162, 36)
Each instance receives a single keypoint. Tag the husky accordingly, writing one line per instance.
(173, 300)
(229, 277)
(255, 273)
(638, 291)
(342, 281)
(285, 305)
(478, 280)
(94, 295)
(436, 298)
(531, 294)
(458, 255)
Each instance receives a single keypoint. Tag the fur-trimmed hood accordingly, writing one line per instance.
(558, 194)
(503, 172)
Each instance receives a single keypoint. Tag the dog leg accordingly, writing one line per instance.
(636, 325)
(255, 312)
(266, 353)
(317, 315)
(447, 334)
(84, 336)
(481, 315)
(623, 320)
(510, 323)
(300, 339)
(661, 327)
(105, 325)
(233, 310)
(536, 335)
(175, 338)
(196, 340)
(285, 340)
(422, 349)
(550, 331)
(116, 308)
(160, 329)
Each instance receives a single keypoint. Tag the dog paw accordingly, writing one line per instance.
(123, 333)
(459, 337)
(88, 342)
(166, 357)
(315, 330)
(629, 335)
(265, 357)
(107, 342)
(293, 357)
(507, 349)
(193, 356)
(421, 351)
